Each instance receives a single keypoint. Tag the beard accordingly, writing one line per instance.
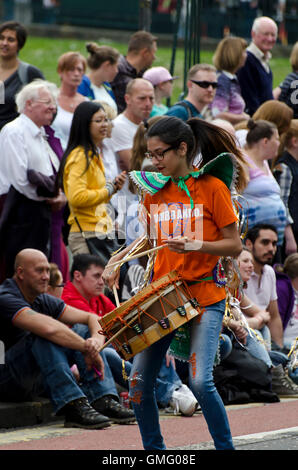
(262, 261)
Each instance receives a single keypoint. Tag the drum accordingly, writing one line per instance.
(152, 313)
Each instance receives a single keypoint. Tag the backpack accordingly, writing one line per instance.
(242, 378)
(187, 107)
(23, 72)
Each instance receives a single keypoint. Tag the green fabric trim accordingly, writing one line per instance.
(191, 283)
(223, 167)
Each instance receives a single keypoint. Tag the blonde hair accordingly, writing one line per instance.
(273, 111)
(198, 67)
(55, 275)
(68, 60)
(228, 53)
(110, 112)
(277, 112)
(291, 132)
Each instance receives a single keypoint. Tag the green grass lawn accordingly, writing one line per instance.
(44, 54)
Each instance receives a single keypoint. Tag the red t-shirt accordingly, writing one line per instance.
(100, 305)
(170, 214)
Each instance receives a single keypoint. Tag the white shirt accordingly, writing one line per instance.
(241, 137)
(101, 94)
(123, 133)
(24, 146)
(62, 125)
(111, 166)
(109, 160)
(263, 58)
(261, 290)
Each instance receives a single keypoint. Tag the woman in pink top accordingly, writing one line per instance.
(262, 194)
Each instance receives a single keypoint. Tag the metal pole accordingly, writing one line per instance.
(175, 39)
(192, 36)
(145, 16)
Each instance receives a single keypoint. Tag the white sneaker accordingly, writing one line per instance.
(184, 401)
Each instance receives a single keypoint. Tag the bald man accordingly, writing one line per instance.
(255, 77)
(40, 348)
(139, 99)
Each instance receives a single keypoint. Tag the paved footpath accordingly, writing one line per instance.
(249, 423)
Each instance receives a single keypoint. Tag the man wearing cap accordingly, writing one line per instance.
(162, 81)
(201, 84)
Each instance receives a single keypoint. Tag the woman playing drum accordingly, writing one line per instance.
(190, 212)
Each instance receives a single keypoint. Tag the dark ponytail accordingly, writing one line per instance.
(200, 136)
(258, 130)
(173, 131)
(212, 141)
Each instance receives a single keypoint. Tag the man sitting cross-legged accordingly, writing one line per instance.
(85, 291)
(40, 347)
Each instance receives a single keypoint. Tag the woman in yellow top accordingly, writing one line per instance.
(82, 175)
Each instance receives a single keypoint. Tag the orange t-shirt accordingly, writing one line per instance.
(169, 213)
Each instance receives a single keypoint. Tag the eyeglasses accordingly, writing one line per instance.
(47, 102)
(205, 84)
(159, 156)
(60, 285)
(101, 121)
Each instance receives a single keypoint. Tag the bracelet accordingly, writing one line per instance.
(248, 306)
(111, 188)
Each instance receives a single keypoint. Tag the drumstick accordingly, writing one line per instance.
(138, 255)
(116, 295)
(118, 333)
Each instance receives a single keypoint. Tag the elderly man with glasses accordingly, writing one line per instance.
(201, 84)
(26, 217)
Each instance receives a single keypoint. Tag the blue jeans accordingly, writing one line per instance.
(258, 349)
(145, 369)
(166, 382)
(225, 346)
(36, 366)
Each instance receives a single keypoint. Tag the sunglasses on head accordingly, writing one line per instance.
(204, 83)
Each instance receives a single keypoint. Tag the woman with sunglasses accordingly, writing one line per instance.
(190, 213)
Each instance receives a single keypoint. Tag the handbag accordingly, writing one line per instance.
(91, 246)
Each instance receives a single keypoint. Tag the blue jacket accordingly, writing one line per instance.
(85, 88)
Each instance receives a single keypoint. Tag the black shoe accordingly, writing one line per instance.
(80, 414)
(111, 408)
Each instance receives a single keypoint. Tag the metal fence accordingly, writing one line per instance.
(217, 17)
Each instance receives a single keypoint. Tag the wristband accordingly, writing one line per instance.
(111, 188)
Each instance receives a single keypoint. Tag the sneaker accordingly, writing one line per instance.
(80, 414)
(183, 401)
(293, 356)
(114, 410)
(282, 385)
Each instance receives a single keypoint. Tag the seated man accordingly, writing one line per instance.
(40, 348)
(85, 291)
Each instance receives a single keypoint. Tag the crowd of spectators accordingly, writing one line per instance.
(66, 200)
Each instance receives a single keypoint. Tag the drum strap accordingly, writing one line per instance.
(191, 283)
